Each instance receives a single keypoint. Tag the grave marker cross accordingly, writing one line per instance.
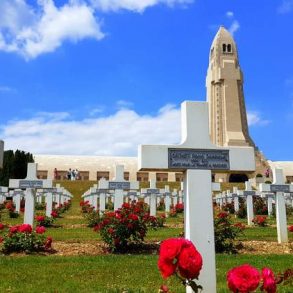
(30, 183)
(196, 157)
(279, 188)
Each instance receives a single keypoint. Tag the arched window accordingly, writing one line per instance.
(224, 48)
(229, 48)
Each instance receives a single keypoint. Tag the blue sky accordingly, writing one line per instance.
(102, 76)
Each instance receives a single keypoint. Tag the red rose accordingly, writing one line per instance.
(25, 228)
(54, 214)
(290, 228)
(40, 218)
(243, 279)
(164, 289)
(133, 217)
(222, 215)
(48, 242)
(189, 261)
(269, 281)
(166, 267)
(40, 229)
(171, 248)
(14, 229)
(1, 226)
(126, 206)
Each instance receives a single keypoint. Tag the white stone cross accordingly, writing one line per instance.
(119, 185)
(196, 157)
(167, 195)
(3, 191)
(152, 194)
(175, 196)
(248, 193)
(30, 183)
(279, 188)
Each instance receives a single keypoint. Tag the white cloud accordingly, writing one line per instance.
(234, 27)
(133, 5)
(32, 32)
(286, 6)
(118, 134)
(6, 89)
(230, 14)
(254, 119)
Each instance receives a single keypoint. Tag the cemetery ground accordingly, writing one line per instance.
(80, 262)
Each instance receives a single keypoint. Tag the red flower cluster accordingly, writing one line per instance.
(54, 214)
(48, 243)
(24, 228)
(2, 226)
(10, 206)
(86, 207)
(40, 218)
(125, 225)
(260, 221)
(246, 278)
(179, 254)
(179, 207)
(290, 228)
(40, 230)
(222, 215)
(240, 226)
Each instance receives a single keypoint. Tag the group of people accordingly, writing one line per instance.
(71, 174)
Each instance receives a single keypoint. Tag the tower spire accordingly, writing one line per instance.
(224, 83)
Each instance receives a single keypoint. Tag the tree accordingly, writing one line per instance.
(14, 165)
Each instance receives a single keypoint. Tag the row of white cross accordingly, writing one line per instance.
(32, 189)
(96, 196)
(278, 191)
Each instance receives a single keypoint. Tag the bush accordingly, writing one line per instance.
(228, 207)
(173, 213)
(179, 207)
(109, 206)
(86, 207)
(22, 238)
(156, 222)
(126, 226)
(92, 218)
(260, 221)
(259, 206)
(44, 221)
(226, 233)
(40, 206)
(161, 206)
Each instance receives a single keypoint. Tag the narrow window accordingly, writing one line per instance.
(229, 48)
(224, 48)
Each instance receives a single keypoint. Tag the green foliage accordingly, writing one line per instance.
(92, 218)
(14, 165)
(259, 206)
(40, 206)
(226, 233)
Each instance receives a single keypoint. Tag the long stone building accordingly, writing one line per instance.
(228, 127)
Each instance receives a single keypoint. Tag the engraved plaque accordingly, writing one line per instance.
(30, 183)
(153, 191)
(167, 193)
(248, 192)
(119, 185)
(131, 193)
(46, 190)
(198, 159)
(280, 188)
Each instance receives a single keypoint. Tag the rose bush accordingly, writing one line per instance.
(44, 221)
(127, 225)
(179, 207)
(290, 228)
(260, 221)
(226, 233)
(22, 238)
(179, 257)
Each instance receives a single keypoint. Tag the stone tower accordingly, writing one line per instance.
(224, 82)
(228, 120)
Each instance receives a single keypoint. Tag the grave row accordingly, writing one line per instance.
(277, 193)
(33, 190)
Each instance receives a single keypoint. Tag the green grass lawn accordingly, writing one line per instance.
(111, 273)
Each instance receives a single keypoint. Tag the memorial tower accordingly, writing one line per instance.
(224, 83)
(227, 111)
